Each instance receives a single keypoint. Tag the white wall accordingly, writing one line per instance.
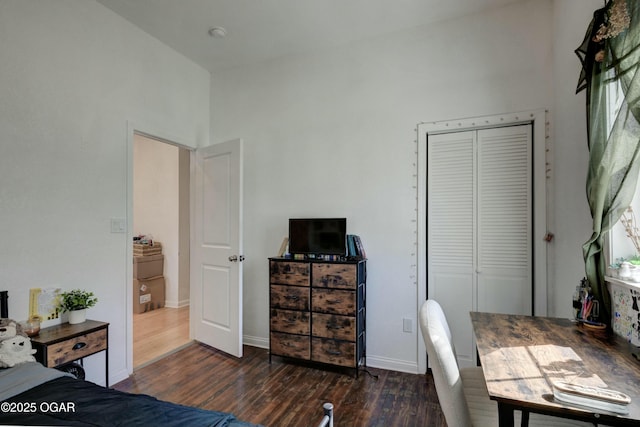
(571, 219)
(330, 133)
(333, 134)
(74, 76)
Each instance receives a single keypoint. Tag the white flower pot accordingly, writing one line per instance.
(625, 271)
(77, 316)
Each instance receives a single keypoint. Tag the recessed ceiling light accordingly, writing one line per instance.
(217, 32)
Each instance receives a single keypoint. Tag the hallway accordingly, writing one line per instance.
(159, 332)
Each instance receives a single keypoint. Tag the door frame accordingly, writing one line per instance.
(161, 135)
(538, 121)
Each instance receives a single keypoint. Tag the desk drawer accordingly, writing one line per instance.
(76, 348)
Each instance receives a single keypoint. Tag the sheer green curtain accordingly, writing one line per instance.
(610, 55)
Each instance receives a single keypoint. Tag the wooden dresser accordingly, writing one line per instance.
(317, 311)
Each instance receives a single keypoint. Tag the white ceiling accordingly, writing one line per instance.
(260, 30)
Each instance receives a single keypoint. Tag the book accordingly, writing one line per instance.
(351, 246)
(359, 247)
(283, 247)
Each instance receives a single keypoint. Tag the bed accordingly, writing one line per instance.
(31, 394)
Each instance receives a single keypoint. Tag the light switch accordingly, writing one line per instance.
(407, 325)
(118, 225)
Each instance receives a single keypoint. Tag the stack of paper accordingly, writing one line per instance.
(593, 397)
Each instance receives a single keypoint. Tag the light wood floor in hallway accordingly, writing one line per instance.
(159, 332)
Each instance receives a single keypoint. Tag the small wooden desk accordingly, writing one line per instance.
(61, 344)
(521, 355)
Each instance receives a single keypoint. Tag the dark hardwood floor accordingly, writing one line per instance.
(287, 394)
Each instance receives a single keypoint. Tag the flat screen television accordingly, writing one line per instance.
(318, 236)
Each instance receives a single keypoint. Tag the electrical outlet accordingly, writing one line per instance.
(407, 325)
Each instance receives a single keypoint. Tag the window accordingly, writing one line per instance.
(620, 245)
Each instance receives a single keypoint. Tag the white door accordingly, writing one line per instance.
(479, 226)
(504, 264)
(451, 232)
(216, 248)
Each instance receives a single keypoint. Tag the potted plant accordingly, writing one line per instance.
(76, 303)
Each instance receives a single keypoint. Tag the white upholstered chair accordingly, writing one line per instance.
(462, 392)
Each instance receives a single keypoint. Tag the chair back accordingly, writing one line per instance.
(444, 365)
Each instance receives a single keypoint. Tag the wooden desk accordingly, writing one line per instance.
(61, 344)
(521, 355)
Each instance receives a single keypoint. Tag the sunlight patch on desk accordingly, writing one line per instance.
(509, 362)
(512, 370)
(562, 363)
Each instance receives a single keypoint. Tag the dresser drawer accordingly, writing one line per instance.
(290, 297)
(334, 352)
(340, 276)
(293, 322)
(76, 348)
(289, 273)
(334, 301)
(296, 346)
(334, 326)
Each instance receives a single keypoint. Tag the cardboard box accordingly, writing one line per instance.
(148, 294)
(145, 267)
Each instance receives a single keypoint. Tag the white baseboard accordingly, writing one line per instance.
(408, 366)
(116, 377)
(255, 341)
(176, 304)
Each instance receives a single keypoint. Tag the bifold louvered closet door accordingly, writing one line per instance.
(479, 226)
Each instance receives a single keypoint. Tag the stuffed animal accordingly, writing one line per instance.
(16, 350)
(10, 328)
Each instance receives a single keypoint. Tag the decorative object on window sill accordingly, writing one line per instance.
(628, 220)
(625, 269)
(624, 272)
(635, 273)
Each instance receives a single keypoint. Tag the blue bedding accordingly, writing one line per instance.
(71, 402)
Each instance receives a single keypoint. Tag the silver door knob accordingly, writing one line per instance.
(233, 258)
